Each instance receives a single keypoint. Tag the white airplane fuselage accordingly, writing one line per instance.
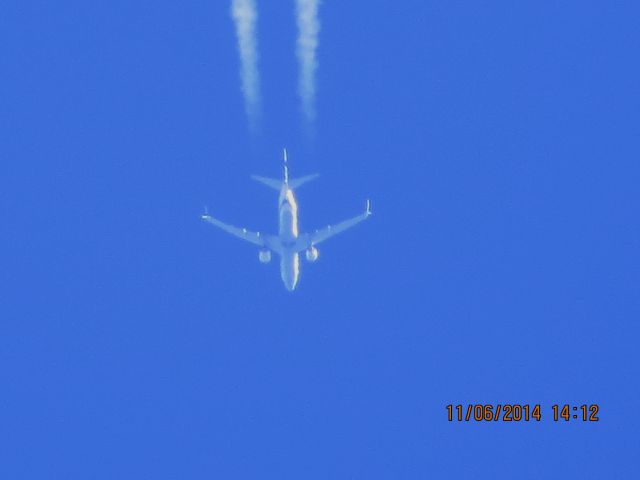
(288, 233)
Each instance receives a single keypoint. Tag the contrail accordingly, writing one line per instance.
(244, 15)
(307, 44)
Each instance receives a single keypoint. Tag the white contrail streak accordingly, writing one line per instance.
(307, 44)
(245, 15)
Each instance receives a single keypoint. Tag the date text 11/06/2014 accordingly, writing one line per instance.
(514, 412)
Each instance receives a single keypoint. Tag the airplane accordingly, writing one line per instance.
(288, 243)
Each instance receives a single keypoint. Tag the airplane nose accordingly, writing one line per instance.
(290, 283)
(289, 271)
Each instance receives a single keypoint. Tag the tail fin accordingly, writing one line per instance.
(286, 166)
(295, 182)
(277, 184)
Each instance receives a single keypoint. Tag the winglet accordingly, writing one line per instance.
(368, 208)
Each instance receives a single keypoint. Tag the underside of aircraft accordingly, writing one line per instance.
(288, 243)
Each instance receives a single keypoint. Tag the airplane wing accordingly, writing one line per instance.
(309, 239)
(252, 237)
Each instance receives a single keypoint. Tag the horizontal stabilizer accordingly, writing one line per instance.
(277, 184)
(269, 182)
(296, 182)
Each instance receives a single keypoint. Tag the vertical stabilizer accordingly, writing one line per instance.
(286, 166)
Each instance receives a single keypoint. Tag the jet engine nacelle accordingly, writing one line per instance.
(312, 254)
(264, 256)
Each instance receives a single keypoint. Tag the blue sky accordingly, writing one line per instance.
(499, 144)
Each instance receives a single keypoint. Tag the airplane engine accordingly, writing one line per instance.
(312, 254)
(264, 256)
